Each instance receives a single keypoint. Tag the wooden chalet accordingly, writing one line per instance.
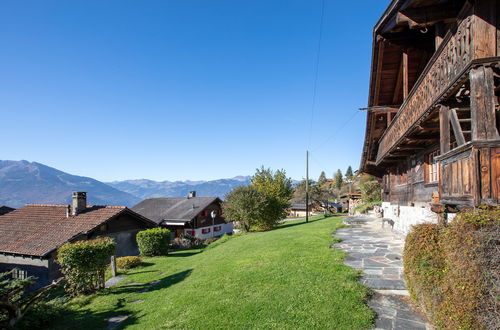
(199, 217)
(432, 133)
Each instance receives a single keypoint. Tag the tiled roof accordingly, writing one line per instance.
(37, 229)
(173, 208)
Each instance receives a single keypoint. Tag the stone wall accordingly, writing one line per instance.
(406, 216)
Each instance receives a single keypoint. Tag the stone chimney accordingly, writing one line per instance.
(79, 201)
(192, 194)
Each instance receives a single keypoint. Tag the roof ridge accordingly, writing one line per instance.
(51, 205)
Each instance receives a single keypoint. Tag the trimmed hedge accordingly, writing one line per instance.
(128, 262)
(153, 242)
(452, 271)
(84, 263)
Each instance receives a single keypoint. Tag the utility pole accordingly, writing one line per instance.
(307, 186)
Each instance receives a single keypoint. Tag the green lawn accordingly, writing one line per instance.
(286, 278)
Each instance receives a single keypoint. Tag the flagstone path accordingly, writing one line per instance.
(377, 251)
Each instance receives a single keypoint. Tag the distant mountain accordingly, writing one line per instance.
(23, 182)
(147, 188)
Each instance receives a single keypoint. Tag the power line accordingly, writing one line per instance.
(337, 131)
(315, 84)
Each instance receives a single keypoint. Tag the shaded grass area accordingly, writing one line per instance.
(286, 278)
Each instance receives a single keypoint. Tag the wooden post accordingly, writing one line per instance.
(444, 128)
(113, 266)
(405, 74)
(457, 129)
(482, 99)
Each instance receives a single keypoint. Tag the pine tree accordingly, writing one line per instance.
(348, 173)
(338, 179)
(322, 178)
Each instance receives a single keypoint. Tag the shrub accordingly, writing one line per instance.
(84, 263)
(154, 241)
(128, 262)
(210, 240)
(364, 207)
(186, 241)
(424, 265)
(452, 271)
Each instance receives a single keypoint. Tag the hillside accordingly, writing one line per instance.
(148, 188)
(279, 279)
(23, 182)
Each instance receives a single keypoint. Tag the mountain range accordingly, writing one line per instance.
(147, 188)
(23, 182)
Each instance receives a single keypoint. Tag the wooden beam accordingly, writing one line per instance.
(482, 104)
(378, 78)
(444, 129)
(426, 126)
(426, 16)
(381, 108)
(457, 130)
(399, 81)
(484, 169)
(423, 137)
(404, 61)
(411, 148)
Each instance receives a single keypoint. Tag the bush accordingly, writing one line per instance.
(452, 271)
(154, 241)
(424, 265)
(210, 240)
(128, 262)
(84, 263)
(363, 208)
(186, 241)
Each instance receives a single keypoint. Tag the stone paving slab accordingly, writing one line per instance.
(113, 281)
(377, 252)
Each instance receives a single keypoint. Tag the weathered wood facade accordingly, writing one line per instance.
(432, 132)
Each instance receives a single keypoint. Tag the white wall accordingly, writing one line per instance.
(226, 228)
(406, 216)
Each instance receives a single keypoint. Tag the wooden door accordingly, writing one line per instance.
(495, 172)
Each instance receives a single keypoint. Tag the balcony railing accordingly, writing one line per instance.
(447, 64)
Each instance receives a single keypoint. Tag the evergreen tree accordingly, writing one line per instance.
(348, 173)
(322, 178)
(338, 179)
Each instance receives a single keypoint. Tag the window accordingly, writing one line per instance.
(217, 228)
(433, 167)
(19, 274)
(205, 230)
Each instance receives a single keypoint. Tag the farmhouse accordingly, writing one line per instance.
(432, 118)
(197, 216)
(31, 234)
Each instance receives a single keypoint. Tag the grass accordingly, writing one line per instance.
(288, 278)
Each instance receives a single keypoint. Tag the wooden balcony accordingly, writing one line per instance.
(446, 71)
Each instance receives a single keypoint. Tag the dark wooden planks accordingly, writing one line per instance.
(483, 104)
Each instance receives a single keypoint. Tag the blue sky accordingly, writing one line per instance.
(175, 90)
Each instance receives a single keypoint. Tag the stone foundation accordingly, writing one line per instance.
(405, 217)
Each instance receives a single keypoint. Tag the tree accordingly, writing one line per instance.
(244, 205)
(338, 179)
(370, 190)
(14, 301)
(348, 173)
(322, 178)
(277, 189)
